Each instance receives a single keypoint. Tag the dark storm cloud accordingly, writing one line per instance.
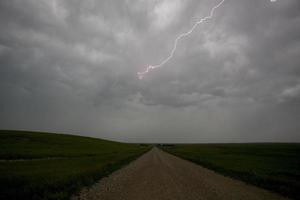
(71, 66)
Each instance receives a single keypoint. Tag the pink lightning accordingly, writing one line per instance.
(151, 67)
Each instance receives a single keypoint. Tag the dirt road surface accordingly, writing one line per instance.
(158, 175)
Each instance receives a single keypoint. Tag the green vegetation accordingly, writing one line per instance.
(272, 166)
(37, 165)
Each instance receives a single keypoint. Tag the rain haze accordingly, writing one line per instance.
(71, 67)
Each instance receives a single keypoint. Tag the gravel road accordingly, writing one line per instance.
(158, 175)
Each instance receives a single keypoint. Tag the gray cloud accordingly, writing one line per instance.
(70, 66)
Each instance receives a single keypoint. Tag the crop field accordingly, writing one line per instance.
(275, 167)
(37, 165)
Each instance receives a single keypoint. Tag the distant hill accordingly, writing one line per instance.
(39, 165)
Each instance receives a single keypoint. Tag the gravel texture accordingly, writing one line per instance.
(158, 175)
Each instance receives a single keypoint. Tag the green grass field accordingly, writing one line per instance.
(37, 165)
(275, 167)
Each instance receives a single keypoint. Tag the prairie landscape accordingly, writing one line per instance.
(149, 99)
(37, 165)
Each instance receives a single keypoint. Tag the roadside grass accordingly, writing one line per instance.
(273, 166)
(36, 165)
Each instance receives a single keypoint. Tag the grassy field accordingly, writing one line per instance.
(272, 166)
(37, 165)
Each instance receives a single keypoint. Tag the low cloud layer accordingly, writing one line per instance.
(70, 66)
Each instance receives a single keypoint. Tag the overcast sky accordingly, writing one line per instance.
(71, 66)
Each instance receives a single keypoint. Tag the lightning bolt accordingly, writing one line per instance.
(182, 35)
